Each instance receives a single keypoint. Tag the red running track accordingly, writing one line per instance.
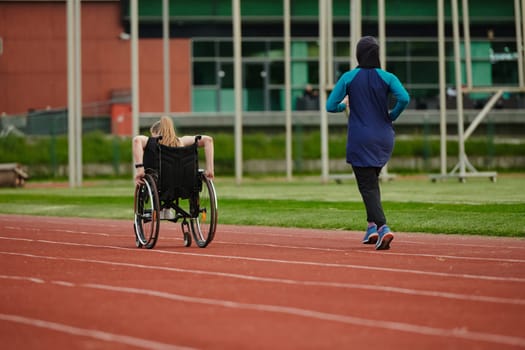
(81, 284)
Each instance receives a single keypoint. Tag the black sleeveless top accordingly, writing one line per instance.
(151, 154)
(175, 168)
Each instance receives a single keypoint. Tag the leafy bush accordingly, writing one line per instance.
(42, 150)
(97, 147)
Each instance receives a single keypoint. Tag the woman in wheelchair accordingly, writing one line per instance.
(167, 174)
(164, 127)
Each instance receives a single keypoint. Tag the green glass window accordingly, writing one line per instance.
(276, 49)
(423, 72)
(342, 49)
(226, 75)
(399, 69)
(313, 72)
(340, 69)
(276, 73)
(423, 49)
(505, 73)
(277, 99)
(225, 49)
(396, 48)
(203, 49)
(204, 73)
(253, 49)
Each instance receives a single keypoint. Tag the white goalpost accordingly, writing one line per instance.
(464, 169)
(74, 92)
(326, 81)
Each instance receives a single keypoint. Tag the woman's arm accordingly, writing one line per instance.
(338, 100)
(402, 97)
(139, 143)
(206, 142)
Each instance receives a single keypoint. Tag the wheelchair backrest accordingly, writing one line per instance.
(176, 168)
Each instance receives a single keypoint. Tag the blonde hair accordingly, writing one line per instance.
(164, 127)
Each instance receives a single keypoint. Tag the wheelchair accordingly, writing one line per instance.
(174, 181)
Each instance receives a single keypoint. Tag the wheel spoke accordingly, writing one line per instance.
(146, 213)
(203, 226)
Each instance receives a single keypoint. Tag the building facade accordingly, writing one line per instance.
(33, 71)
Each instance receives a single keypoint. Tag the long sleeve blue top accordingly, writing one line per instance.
(370, 134)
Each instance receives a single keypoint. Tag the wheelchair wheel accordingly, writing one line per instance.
(186, 233)
(147, 211)
(204, 212)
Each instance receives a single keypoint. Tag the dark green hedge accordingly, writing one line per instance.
(98, 147)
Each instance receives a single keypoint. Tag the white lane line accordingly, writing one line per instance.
(64, 283)
(437, 256)
(359, 286)
(295, 262)
(441, 256)
(357, 267)
(461, 333)
(268, 231)
(280, 246)
(54, 220)
(91, 333)
(24, 228)
(357, 321)
(23, 278)
(406, 238)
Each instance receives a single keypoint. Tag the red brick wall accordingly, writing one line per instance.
(33, 66)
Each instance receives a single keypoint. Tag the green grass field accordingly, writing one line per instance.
(412, 204)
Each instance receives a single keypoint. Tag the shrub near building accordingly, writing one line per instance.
(108, 155)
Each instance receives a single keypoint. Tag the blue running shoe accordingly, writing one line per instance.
(371, 235)
(385, 237)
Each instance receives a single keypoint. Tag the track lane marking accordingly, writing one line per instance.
(360, 286)
(25, 228)
(270, 231)
(438, 256)
(270, 245)
(363, 251)
(460, 333)
(292, 262)
(91, 333)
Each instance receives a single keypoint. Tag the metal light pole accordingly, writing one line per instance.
(519, 38)
(74, 95)
(322, 91)
(287, 88)
(166, 42)
(237, 53)
(355, 29)
(134, 67)
(459, 88)
(442, 87)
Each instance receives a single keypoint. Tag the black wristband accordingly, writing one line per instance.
(140, 165)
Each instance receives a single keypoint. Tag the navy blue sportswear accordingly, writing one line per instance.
(370, 138)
